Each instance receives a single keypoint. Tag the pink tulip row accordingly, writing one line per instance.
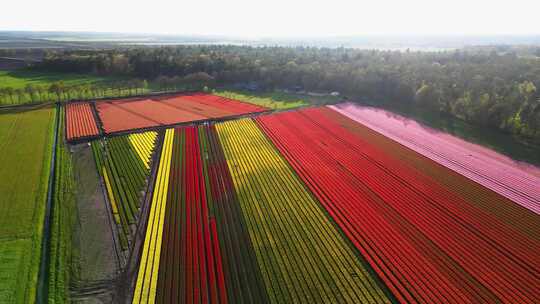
(514, 180)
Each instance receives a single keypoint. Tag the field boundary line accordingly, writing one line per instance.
(110, 217)
(193, 123)
(27, 106)
(97, 119)
(42, 290)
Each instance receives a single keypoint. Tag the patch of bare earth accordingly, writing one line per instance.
(95, 261)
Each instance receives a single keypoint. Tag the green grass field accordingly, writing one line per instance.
(25, 155)
(18, 79)
(62, 220)
(274, 100)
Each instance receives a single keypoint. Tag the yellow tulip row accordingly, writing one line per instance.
(145, 288)
(302, 255)
(143, 143)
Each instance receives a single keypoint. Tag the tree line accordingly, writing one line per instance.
(491, 88)
(59, 91)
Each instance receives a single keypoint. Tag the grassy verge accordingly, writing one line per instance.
(25, 155)
(19, 79)
(62, 222)
(272, 100)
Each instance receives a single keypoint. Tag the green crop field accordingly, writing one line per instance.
(62, 219)
(272, 100)
(20, 78)
(25, 155)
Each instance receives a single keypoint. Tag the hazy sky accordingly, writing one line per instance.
(275, 18)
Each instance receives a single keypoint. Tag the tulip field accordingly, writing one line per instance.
(316, 206)
(80, 122)
(220, 231)
(518, 183)
(136, 114)
(140, 113)
(124, 165)
(204, 199)
(443, 245)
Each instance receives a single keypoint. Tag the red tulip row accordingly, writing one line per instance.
(190, 265)
(241, 272)
(80, 121)
(230, 105)
(203, 252)
(427, 243)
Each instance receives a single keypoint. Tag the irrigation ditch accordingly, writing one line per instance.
(43, 274)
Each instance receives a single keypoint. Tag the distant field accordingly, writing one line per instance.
(25, 151)
(275, 100)
(19, 79)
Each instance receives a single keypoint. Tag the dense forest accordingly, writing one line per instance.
(492, 88)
